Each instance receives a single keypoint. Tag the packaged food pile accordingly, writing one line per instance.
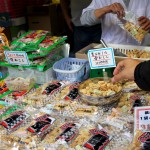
(3, 42)
(55, 116)
(42, 49)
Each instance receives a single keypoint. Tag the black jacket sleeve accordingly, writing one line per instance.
(142, 75)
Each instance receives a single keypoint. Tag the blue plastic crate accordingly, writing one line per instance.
(72, 69)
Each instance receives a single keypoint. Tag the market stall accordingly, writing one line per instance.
(70, 111)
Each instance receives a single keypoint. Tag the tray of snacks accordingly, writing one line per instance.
(97, 91)
(136, 52)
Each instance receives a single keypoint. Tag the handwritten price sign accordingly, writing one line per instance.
(142, 118)
(101, 58)
(17, 58)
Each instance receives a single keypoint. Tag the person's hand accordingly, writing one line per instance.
(144, 23)
(125, 70)
(117, 8)
(69, 23)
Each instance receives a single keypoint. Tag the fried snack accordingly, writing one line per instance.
(99, 88)
(135, 31)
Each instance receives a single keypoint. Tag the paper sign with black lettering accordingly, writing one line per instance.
(101, 58)
(17, 58)
(142, 118)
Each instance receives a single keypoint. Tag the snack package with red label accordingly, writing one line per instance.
(42, 126)
(141, 141)
(137, 101)
(98, 141)
(15, 121)
(69, 132)
(54, 87)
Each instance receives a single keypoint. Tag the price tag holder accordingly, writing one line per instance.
(17, 58)
(101, 58)
(142, 118)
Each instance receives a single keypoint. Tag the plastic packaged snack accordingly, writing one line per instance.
(15, 120)
(3, 42)
(19, 84)
(130, 24)
(3, 87)
(29, 41)
(41, 126)
(98, 141)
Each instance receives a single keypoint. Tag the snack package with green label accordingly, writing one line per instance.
(28, 41)
(50, 42)
(130, 24)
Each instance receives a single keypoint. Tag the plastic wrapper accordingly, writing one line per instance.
(3, 87)
(70, 92)
(20, 84)
(29, 41)
(130, 24)
(15, 121)
(140, 141)
(98, 92)
(66, 132)
(130, 86)
(3, 42)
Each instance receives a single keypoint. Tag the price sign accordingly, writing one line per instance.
(142, 118)
(17, 58)
(101, 58)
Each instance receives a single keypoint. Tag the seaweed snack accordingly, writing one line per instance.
(137, 101)
(70, 92)
(42, 126)
(69, 132)
(19, 84)
(54, 87)
(3, 42)
(15, 120)
(98, 140)
(140, 141)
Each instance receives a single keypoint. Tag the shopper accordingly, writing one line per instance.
(83, 35)
(107, 12)
(133, 70)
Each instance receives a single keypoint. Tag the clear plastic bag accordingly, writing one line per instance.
(130, 24)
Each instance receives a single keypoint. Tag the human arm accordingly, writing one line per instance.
(96, 10)
(65, 9)
(133, 70)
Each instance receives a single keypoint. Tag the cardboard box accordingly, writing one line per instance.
(82, 54)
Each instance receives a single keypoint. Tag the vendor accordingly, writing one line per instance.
(82, 35)
(107, 12)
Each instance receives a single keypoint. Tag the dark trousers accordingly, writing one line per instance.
(84, 36)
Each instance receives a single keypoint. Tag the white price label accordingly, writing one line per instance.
(101, 58)
(17, 58)
(142, 118)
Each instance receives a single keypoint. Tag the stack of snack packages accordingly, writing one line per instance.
(3, 42)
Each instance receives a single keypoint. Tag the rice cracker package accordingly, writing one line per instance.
(3, 42)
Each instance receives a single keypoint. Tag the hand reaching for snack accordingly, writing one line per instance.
(144, 22)
(118, 9)
(125, 70)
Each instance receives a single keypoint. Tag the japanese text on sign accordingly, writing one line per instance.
(142, 118)
(17, 58)
(101, 58)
